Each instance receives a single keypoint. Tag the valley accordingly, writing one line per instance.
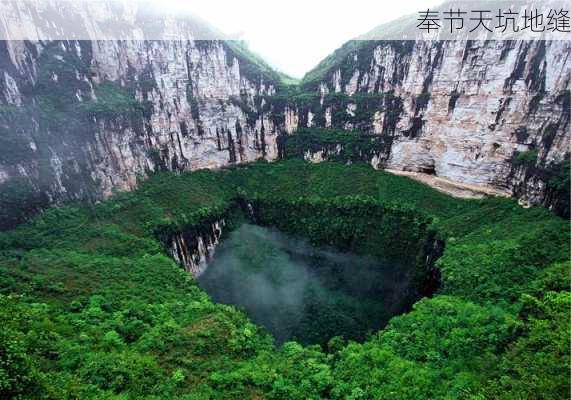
(179, 220)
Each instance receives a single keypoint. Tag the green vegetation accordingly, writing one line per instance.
(528, 157)
(254, 67)
(336, 144)
(113, 101)
(92, 308)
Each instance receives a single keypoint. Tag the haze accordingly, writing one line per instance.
(294, 35)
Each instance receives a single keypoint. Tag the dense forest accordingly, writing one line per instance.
(93, 307)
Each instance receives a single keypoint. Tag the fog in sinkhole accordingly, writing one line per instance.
(305, 293)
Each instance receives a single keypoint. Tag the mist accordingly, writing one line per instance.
(305, 293)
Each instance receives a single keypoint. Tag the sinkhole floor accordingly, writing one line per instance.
(305, 293)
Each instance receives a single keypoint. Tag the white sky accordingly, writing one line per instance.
(294, 35)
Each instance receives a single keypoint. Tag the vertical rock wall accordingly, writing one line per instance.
(490, 113)
(80, 119)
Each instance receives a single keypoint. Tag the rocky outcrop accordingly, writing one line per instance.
(488, 113)
(134, 93)
(194, 248)
(78, 99)
(80, 119)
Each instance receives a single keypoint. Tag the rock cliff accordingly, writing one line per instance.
(80, 119)
(115, 110)
(490, 113)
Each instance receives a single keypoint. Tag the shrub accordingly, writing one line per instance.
(528, 157)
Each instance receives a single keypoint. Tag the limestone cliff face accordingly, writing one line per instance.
(193, 249)
(492, 113)
(80, 119)
(83, 118)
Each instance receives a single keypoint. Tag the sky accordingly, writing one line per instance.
(294, 35)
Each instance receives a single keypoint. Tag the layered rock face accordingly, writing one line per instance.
(80, 119)
(167, 104)
(194, 249)
(491, 113)
(83, 118)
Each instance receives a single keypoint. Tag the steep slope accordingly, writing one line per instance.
(81, 118)
(489, 113)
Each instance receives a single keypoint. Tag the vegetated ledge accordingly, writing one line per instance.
(333, 144)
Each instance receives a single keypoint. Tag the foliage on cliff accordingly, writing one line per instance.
(254, 67)
(335, 144)
(92, 308)
(353, 55)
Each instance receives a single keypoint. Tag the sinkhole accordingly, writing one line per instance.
(306, 293)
